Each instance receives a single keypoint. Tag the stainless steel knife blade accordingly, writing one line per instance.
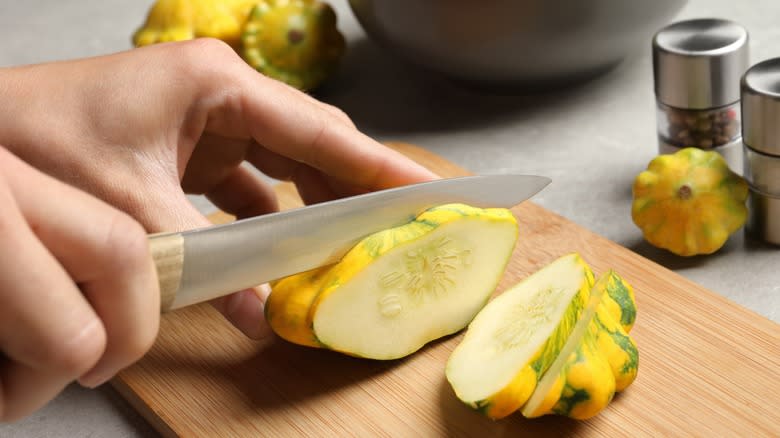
(221, 259)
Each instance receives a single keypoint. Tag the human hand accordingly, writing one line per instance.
(78, 300)
(140, 128)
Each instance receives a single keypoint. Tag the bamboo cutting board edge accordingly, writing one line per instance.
(160, 399)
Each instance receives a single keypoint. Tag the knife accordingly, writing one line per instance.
(205, 263)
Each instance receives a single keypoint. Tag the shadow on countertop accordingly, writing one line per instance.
(737, 243)
(385, 95)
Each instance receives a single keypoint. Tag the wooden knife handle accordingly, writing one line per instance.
(168, 253)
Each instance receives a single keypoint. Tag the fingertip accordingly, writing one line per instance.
(245, 310)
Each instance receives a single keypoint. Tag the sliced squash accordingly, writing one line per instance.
(517, 336)
(400, 288)
(619, 300)
(618, 347)
(287, 307)
(599, 358)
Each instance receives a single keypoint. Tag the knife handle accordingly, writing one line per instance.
(168, 253)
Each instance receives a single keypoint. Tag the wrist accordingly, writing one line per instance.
(39, 115)
(12, 110)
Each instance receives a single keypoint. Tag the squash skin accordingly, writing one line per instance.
(294, 41)
(287, 307)
(619, 300)
(689, 202)
(589, 384)
(293, 302)
(618, 347)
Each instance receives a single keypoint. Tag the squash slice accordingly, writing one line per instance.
(287, 307)
(517, 336)
(618, 347)
(592, 366)
(400, 288)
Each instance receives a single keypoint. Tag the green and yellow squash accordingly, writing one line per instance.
(599, 358)
(553, 344)
(517, 336)
(179, 20)
(294, 41)
(689, 202)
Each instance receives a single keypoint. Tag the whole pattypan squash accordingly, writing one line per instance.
(179, 20)
(689, 202)
(295, 41)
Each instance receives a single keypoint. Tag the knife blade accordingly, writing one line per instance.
(201, 264)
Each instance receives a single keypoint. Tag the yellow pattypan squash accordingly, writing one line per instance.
(179, 20)
(689, 202)
(294, 41)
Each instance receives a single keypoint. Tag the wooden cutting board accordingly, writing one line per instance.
(707, 367)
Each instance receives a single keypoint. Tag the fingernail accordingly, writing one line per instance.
(94, 378)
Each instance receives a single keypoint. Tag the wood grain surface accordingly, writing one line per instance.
(707, 366)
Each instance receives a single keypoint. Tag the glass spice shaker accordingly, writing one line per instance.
(697, 66)
(761, 125)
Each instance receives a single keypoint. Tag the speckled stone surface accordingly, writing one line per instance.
(591, 140)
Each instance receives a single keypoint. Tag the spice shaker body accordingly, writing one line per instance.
(697, 66)
(760, 87)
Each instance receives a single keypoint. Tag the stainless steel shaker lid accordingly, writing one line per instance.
(698, 63)
(761, 107)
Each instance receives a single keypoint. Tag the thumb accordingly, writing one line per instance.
(244, 309)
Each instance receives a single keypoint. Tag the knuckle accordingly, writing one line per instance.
(206, 55)
(211, 64)
(340, 115)
(201, 47)
(125, 239)
(314, 156)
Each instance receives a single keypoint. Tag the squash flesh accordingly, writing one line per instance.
(517, 336)
(419, 291)
(399, 288)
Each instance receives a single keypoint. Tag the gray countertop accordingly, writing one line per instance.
(591, 140)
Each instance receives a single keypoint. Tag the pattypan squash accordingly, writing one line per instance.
(179, 20)
(294, 41)
(689, 202)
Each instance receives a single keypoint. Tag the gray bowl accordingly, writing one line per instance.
(515, 42)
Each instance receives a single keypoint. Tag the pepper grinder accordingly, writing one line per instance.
(761, 125)
(697, 66)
